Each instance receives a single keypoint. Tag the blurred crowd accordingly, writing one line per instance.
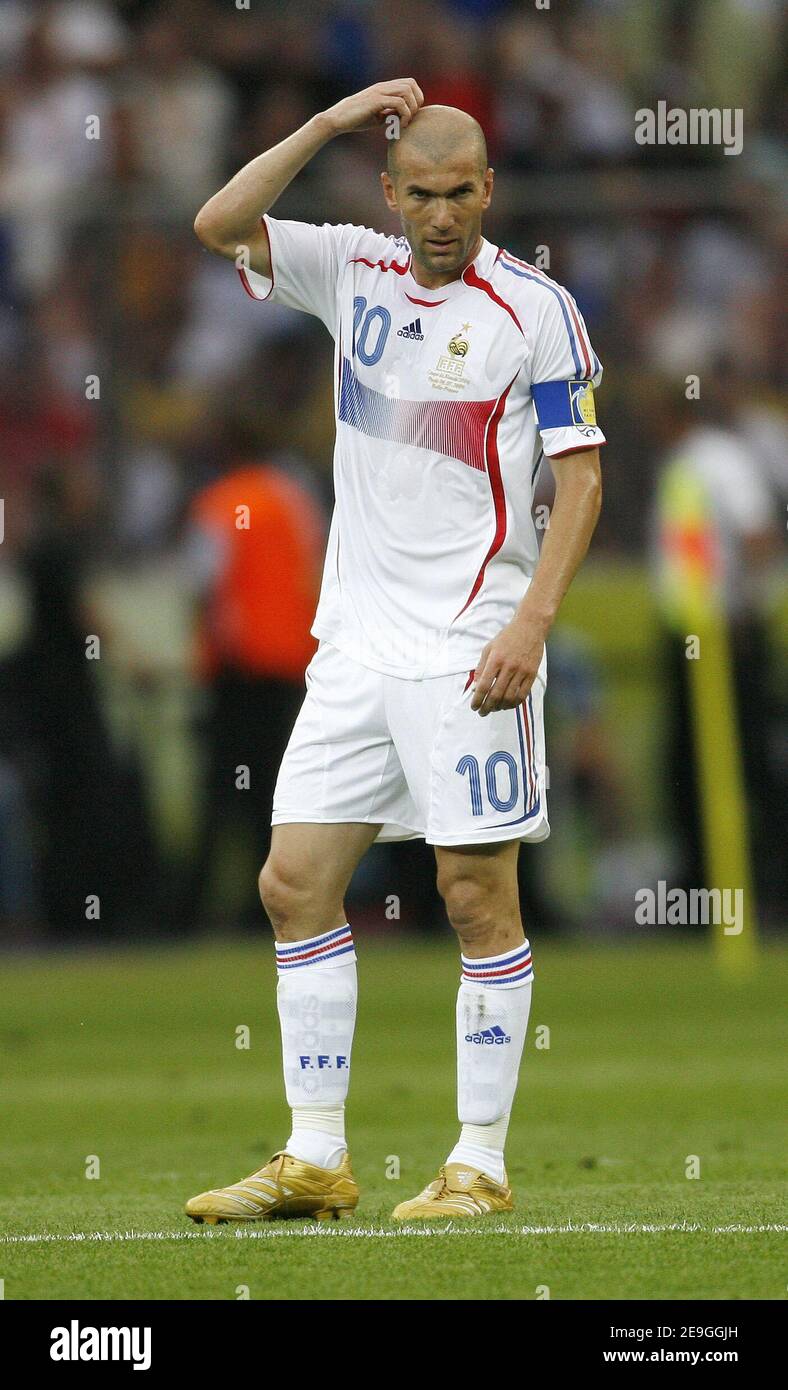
(134, 372)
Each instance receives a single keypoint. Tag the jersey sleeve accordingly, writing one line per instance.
(306, 264)
(564, 371)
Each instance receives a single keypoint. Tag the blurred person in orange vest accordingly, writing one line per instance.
(256, 543)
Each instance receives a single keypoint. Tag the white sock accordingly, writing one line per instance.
(318, 1134)
(493, 1004)
(481, 1146)
(316, 997)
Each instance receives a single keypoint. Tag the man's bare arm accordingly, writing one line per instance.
(508, 665)
(231, 219)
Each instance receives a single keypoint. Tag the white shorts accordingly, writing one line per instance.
(413, 757)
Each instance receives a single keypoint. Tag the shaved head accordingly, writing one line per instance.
(437, 135)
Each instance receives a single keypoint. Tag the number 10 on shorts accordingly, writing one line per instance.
(469, 765)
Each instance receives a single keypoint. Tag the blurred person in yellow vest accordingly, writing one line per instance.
(714, 541)
(255, 542)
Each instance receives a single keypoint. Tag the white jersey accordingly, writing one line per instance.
(445, 401)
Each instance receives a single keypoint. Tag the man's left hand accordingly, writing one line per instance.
(508, 667)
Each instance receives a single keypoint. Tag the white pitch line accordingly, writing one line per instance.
(285, 1230)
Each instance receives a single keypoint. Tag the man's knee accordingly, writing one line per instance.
(471, 904)
(284, 891)
(297, 899)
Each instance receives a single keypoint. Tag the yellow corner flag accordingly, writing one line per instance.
(692, 603)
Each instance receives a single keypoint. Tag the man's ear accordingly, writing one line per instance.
(389, 192)
(489, 180)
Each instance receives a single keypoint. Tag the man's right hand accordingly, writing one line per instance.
(365, 110)
(231, 222)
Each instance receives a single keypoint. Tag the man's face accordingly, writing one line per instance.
(440, 207)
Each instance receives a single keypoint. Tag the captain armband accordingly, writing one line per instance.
(563, 404)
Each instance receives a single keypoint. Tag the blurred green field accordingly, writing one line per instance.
(130, 1057)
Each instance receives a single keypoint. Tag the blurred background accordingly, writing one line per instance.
(146, 652)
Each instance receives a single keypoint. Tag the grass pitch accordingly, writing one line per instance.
(126, 1065)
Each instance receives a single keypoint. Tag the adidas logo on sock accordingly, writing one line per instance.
(413, 330)
(489, 1036)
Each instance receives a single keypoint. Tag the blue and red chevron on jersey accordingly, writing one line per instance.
(455, 429)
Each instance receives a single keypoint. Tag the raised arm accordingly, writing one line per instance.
(232, 218)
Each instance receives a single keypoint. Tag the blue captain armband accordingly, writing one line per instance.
(563, 404)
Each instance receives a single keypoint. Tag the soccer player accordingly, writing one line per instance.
(457, 366)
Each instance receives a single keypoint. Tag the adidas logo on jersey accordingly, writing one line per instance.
(489, 1036)
(413, 330)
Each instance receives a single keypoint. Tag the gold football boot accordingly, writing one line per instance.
(458, 1191)
(285, 1187)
